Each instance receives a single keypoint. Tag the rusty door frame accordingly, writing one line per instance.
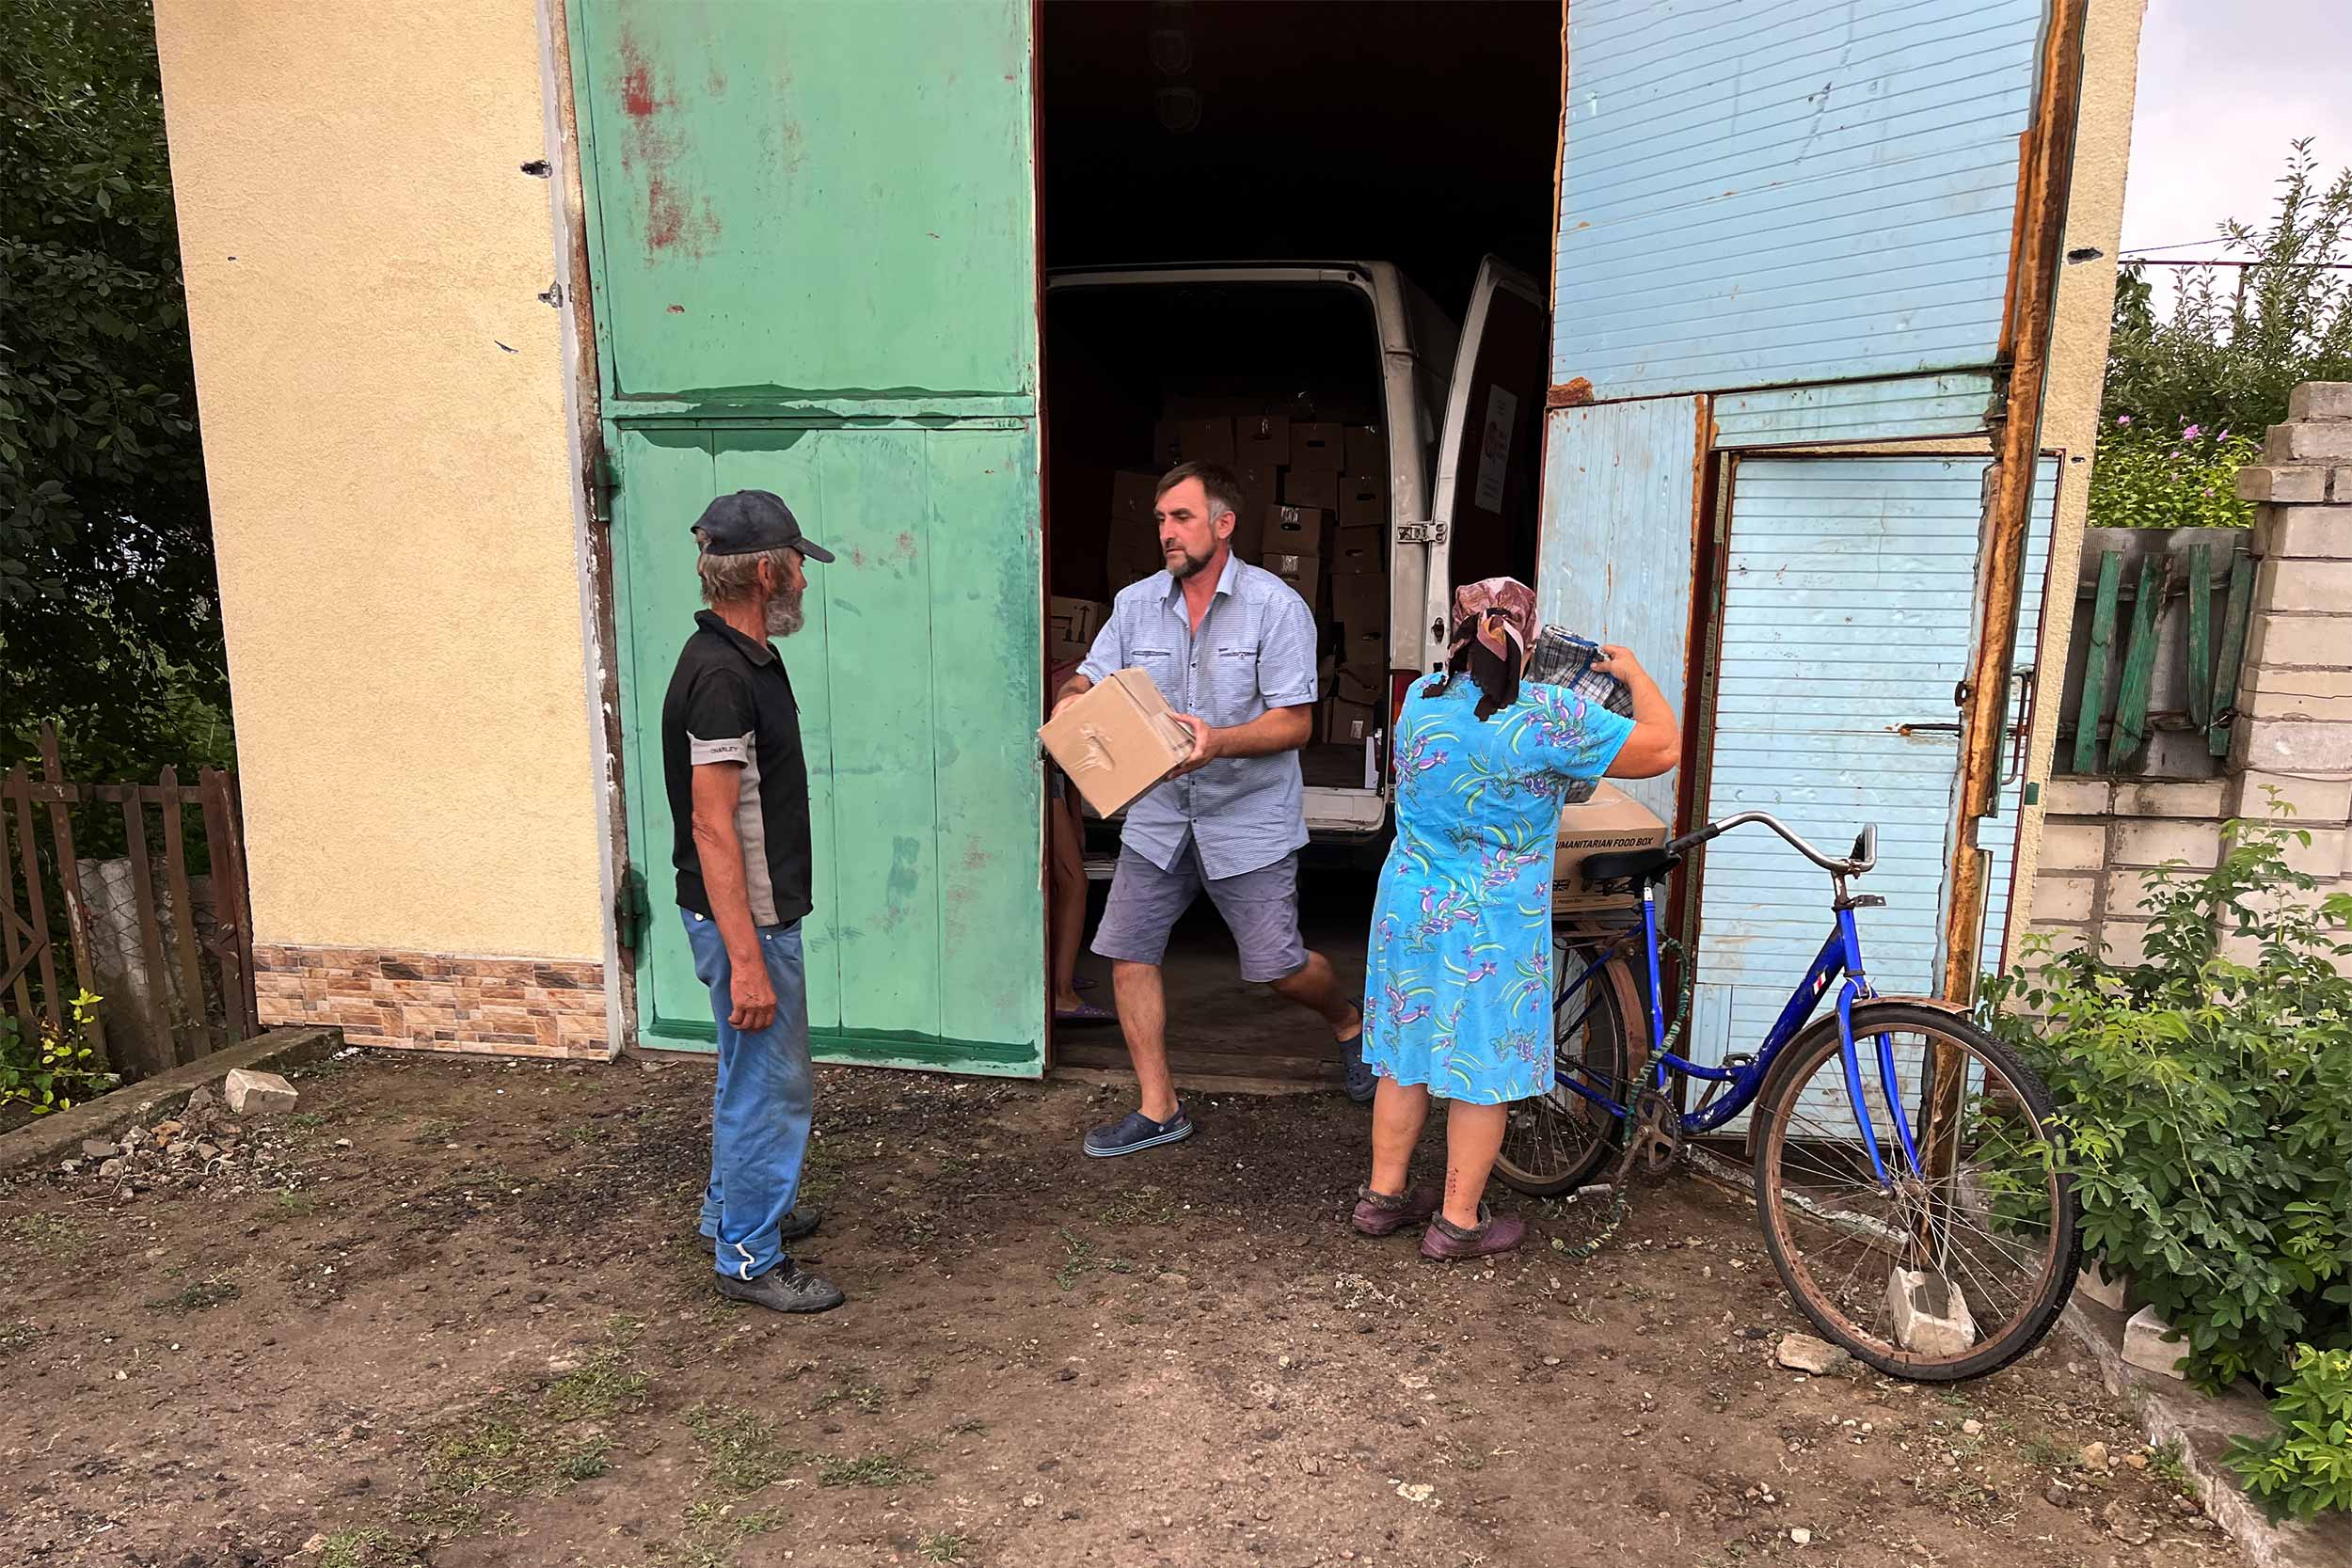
(2046, 171)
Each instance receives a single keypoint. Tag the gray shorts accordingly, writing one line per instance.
(1260, 908)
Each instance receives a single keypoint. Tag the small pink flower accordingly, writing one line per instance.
(2190, 433)
(2123, 419)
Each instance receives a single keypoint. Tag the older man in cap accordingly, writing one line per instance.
(738, 794)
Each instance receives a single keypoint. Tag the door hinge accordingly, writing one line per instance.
(1421, 533)
(632, 909)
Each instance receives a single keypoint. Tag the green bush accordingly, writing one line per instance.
(49, 1072)
(2205, 1104)
(2306, 1469)
(2144, 477)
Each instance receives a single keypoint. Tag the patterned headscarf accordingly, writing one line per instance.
(1499, 612)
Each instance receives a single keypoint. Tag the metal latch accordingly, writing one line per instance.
(1421, 533)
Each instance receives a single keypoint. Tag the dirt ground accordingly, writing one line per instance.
(452, 1312)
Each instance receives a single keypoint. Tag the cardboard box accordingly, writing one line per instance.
(1347, 723)
(1304, 573)
(1363, 502)
(1117, 742)
(1133, 497)
(1261, 440)
(1257, 499)
(1206, 441)
(1360, 603)
(1168, 447)
(1295, 531)
(1364, 653)
(1366, 451)
(1358, 552)
(1353, 683)
(1132, 550)
(1071, 626)
(1612, 822)
(1319, 448)
(1311, 488)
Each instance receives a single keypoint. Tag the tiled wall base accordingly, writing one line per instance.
(438, 1001)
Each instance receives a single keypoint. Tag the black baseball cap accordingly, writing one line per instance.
(750, 521)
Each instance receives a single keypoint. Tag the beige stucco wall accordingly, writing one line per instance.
(2078, 358)
(386, 441)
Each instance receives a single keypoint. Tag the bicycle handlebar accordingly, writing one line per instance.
(1865, 854)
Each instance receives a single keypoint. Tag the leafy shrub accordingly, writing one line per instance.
(2306, 1469)
(2148, 478)
(50, 1072)
(2205, 1104)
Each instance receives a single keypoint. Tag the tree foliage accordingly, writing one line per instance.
(2226, 358)
(109, 624)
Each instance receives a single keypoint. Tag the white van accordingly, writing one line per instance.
(1455, 414)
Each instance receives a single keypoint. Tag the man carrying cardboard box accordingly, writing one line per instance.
(1232, 650)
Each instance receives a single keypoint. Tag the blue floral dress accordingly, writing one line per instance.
(1458, 985)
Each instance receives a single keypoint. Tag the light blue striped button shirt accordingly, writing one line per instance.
(1255, 651)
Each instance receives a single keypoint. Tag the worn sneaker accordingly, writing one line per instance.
(1446, 1242)
(1135, 1133)
(1385, 1213)
(785, 1288)
(800, 1223)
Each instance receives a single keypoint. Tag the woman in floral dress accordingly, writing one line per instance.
(1458, 986)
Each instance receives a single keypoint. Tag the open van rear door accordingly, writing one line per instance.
(1488, 480)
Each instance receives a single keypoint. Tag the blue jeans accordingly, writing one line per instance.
(760, 1111)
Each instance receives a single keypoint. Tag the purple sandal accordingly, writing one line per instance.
(1446, 1242)
(1085, 1013)
(1386, 1213)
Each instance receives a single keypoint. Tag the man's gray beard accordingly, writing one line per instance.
(1187, 564)
(784, 615)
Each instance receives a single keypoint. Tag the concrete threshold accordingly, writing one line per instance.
(51, 1139)
(2202, 1425)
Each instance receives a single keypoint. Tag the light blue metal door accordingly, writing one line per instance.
(1806, 190)
(1846, 621)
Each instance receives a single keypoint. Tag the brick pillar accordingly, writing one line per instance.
(2294, 693)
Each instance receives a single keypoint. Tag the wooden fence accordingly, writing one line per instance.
(2159, 636)
(167, 948)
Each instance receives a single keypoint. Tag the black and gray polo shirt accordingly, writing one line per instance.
(730, 701)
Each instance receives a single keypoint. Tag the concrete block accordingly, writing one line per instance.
(2321, 400)
(258, 1094)
(2310, 441)
(2124, 943)
(1931, 1314)
(2309, 587)
(2077, 796)
(2323, 857)
(2145, 1344)
(2063, 939)
(2128, 892)
(2074, 845)
(2266, 700)
(2340, 485)
(2305, 532)
(2094, 1283)
(2154, 840)
(2281, 640)
(2283, 484)
(2064, 898)
(2192, 798)
(2314, 800)
(2292, 746)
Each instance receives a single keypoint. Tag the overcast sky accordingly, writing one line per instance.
(2224, 85)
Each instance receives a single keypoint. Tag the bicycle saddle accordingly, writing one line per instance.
(1649, 865)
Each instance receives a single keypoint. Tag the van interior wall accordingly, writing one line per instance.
(1419, 132)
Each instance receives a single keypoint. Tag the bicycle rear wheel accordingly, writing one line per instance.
(1989, 1229)
(1558, 1141)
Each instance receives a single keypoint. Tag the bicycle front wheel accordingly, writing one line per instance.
(1956, 1265)
(1558, 1141)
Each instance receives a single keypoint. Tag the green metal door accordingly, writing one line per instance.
(814, 245)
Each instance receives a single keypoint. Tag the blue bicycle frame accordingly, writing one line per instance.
(1840, 959)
